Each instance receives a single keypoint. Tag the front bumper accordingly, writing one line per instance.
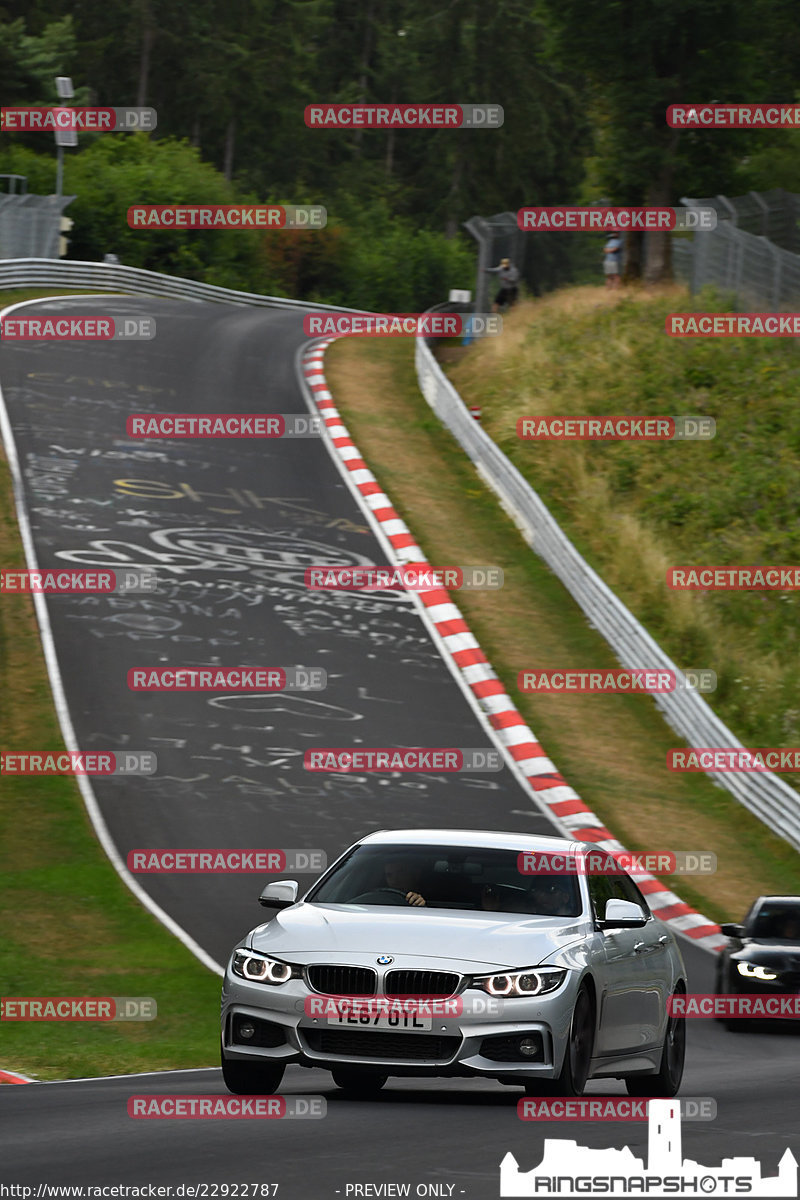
(470, 1043)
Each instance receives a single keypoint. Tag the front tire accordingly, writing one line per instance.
(251, 1078)
(577, 1056)
(358, 1081)
(667, 1081)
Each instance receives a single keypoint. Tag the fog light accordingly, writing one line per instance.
(246, 1030)
(529, 1047)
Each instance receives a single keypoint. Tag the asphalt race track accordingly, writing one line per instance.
(230, 526)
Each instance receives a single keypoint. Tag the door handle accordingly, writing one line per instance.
(638, 947)
(663, 939)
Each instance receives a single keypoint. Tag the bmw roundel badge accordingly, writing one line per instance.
(384, 960)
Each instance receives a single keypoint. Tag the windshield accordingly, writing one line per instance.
(453, 877)
(781, 921)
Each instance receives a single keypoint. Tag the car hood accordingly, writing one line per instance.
(771, 950)
(357, 934)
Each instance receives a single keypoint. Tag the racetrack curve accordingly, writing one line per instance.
(220, 518)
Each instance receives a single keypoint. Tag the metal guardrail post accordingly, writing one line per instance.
(777, 274)
(762, 204)
(725, 203)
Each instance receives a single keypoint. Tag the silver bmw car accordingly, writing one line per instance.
(449, 952)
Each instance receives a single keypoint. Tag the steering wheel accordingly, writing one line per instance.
(374, 891)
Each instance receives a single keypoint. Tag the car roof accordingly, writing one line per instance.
(478, 838)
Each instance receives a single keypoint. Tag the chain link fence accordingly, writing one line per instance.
(30, 226)
(752, 253)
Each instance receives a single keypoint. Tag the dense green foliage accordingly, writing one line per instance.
(583, 83)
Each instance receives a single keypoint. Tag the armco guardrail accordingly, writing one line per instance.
(105, 277)
(763, 793)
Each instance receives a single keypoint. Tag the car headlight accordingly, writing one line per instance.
(258, 968)
(755, 971)
(535, 981)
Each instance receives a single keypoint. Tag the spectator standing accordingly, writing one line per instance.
(509, 284)
(612, 260)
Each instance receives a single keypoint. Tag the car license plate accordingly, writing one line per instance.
(393, 1021)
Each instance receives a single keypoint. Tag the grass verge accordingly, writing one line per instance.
(612, 749)
(69, 925)
(634, 509)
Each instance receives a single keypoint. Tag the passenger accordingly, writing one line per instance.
(552, 897)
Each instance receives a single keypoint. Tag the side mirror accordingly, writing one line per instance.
(622, 914)
(733, 931)
(279, 895)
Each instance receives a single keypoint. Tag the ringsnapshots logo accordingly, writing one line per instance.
(77, 329)
(227, 679)
(59, 582)
(733, 116)
(78, 1008)
(222, 425)
(567, 1169)
(58, 118)
(227, 216)
(225, 1108)
(410, 577)
(616, 429)
(159, 861)
(349, 759)
(424, 325)
(701, 324)
(404, 116)
(565, 218)
(74, 762)
(647, 680)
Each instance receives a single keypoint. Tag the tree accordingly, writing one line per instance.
(640, 58)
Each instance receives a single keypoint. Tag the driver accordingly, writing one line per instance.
(406, 878)
(790, 930)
